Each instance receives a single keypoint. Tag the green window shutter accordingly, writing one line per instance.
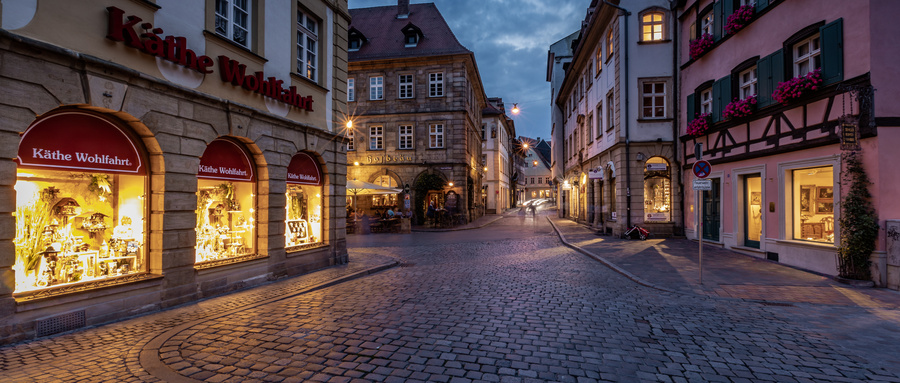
(727, 10)
(769, 72)
(761, 4)
(721, 96)
(832, 52)
(691, 107)
(717, 20)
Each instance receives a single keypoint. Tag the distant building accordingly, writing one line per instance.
(558, 59)
(416, 100)
(537, 175)
(618, 114)
(497, 132)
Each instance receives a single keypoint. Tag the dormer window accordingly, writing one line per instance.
(412, 34)
(356, 39)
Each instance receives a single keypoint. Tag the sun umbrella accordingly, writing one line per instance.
(358, 188)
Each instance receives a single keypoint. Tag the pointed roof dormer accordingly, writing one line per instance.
(411, 35)
(356, 39)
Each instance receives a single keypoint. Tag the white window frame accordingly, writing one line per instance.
(376, 137)
(654, 98)
(811, 60)
(747, 83)
(435, 136)
(748, 2)
(376, 88)
(406, 88)
(307, 45)
(351, 144)
(600, 119)
(406, 137)
(610, 112)
(436, 84)
(654, 34)
(706, 101)
(351, 90)
(610, 46)
(707, 24)
(227, 23)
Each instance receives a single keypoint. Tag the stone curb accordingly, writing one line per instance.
(149, 353)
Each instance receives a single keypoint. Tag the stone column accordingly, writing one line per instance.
(597, 197)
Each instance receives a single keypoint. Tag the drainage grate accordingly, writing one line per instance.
(60, 323)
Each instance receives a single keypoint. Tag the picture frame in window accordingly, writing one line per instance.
(756, 198)
(824, 193)
(823, 207)
(806, 198)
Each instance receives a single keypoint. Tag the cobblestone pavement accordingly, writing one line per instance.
(505, 303)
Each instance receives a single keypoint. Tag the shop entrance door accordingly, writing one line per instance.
(712, 216)
(752, 210)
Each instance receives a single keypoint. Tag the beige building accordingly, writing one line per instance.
(416, 101)
(163, 151)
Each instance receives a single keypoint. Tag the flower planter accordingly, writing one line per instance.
(700, 46)
(739, 108)
(797, 87)
(699, 125)
(739, 19)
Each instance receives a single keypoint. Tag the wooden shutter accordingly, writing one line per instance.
(717, 20)
(691, 107)
(832, 52)
(761, 4)
(769, 72)
(721, 90)
(727, 10)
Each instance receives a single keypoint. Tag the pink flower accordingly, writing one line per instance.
(699, 46)
(796, 87)
(739, 108)
(739, 19)
(699, 125)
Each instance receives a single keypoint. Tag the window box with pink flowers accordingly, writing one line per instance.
(797, 87)
(739, 108)
(699, 125)
(699, 46)
(739, 19)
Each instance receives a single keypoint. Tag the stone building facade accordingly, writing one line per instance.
(159, 152)
(416, 109)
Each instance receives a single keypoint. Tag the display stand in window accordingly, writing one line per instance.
(303, 226)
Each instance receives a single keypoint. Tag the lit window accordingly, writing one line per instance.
(307, 43)
(406, 86)
(436, 135)
(813, 204)
(351, 89)
(376, 138)
(406, 137)
(599, 60)
(233, 20)
(652, 26)
(610, 44)
(706, 24)
(653, 100)
(435, 85)
(657, 190)
(747, 81)
(376, 88)
(806, 56)
(350, 143)
(303, 223)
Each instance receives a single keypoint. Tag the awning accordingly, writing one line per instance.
(225, 159)
(81, 142)
(304, 170)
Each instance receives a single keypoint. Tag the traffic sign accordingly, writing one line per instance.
(702, 169)
(703, 185)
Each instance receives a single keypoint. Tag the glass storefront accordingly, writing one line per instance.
(226, 201)
(812, 194)
(657, 191)
(80, 203)
(304, 202)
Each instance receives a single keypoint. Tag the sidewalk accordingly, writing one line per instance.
(672, 265)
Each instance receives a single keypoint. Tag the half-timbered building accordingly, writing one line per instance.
(776, 95)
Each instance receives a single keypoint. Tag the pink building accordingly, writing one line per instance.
(778, 93)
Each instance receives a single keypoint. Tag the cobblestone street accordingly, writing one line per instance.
(504, 303)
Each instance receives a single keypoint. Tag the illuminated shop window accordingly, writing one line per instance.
(81, 206)
(657, 191)
(226, 202)
(303, 225)
(813, 204)
(385, 200)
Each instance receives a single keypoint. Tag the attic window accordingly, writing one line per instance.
(412, 34)
(356, 40)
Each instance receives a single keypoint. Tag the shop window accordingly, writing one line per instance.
(303, 225)
(812, 193)
(381, 202)
(612, 194)
(81, 203)
(226, 202)
(657, 191)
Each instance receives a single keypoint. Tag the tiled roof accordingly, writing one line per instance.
(384, 33)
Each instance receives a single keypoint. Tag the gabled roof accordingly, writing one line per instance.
(540, 147)
(385, 38)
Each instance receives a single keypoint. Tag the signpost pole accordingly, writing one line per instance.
(700, 230)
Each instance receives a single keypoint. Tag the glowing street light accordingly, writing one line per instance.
(515, 109)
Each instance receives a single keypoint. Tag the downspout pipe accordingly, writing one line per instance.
(626, 119)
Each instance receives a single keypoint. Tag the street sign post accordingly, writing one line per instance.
(701, 169)
(703, 185)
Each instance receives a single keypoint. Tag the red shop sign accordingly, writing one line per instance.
(304, 170)
(81, 142)
(226, 160)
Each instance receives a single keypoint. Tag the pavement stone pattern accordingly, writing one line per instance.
(505, 303)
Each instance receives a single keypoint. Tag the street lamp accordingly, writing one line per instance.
(515, 109)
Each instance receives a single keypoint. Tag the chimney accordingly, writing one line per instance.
(402, 9)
